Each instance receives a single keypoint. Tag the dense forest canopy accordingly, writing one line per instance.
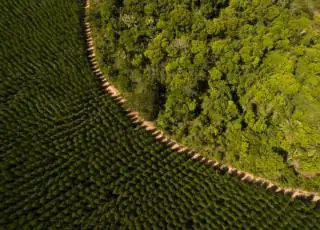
(237, 80)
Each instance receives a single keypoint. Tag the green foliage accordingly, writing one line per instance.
(250, 63)
(71, 159)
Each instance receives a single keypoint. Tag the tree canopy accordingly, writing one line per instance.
(237, 80)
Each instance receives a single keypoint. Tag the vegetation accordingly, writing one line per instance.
(236, 80)
(71, 159)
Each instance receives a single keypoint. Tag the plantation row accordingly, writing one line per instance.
(72, 158)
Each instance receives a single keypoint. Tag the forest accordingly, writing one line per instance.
(237, 80)
(71, 158)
